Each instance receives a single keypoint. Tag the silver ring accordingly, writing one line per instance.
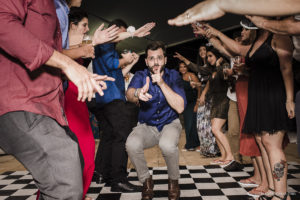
(187, 16)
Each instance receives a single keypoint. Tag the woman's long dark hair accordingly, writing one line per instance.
(200, 61)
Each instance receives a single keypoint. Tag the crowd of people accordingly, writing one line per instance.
(246, 81)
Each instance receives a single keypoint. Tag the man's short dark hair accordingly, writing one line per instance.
(154, 46)
(119, 23)
(76, 15)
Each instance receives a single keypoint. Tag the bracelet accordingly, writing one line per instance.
(289, 102)
(136, 92)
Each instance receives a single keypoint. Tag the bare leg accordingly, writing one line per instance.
(273, 145)
(263, 176)
(222, 150)
(216, 126)
(266, 163)
(256, 175)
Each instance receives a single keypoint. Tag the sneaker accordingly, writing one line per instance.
(233, 166)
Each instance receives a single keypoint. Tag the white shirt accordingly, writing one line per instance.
(231, 95)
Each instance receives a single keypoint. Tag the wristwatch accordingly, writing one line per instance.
(136, 92)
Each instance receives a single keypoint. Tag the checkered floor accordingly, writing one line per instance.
(197, 182)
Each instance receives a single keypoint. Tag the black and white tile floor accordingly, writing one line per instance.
(208, 182)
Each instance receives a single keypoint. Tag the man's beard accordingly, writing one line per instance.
(161, 69)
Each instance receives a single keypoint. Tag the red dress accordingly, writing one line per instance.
(248, 145)
(78, 117)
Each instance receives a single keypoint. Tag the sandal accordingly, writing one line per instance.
(256, 192)
(265, 197)
(217, 162)
(249, 182)
(225, 163)
(282, 198)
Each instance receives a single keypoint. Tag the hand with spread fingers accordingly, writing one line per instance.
(143, 94)
(105, 35)
(206, 10)
(144, 30)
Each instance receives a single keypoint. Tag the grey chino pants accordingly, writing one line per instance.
(47, 152)
(144, 136)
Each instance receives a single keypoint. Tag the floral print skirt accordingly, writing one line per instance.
(208, 145)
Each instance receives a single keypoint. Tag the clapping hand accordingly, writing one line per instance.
(105, 35)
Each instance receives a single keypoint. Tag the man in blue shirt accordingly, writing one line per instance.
(111, 159)
(161, 96)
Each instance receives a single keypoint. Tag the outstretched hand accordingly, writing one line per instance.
(105, 35)
(179, 56)
(143, 94)
(144, 30)
(203, 11)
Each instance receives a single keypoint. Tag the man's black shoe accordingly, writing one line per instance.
(234, 166)
(99, 179)
(125, 187)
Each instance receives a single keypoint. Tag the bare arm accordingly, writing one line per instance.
(287, 26)
(86, 51)
(127, 68)
(203, 94)
(141, 32)
(283, 46)
(213, 9)
(130, 95)
(232, 45)
(219, 46)
(86, 82)
(196, 80)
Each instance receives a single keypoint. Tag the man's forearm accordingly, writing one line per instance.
(130, 95)
(173, 99)
(259, 7)
(282, 27)
(73, 53)
(60, 61)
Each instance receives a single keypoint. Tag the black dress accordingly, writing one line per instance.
(266, 109)
(217, 92)
(190, 117)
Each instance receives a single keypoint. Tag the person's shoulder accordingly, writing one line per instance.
(172, 72)
(105, 46)
(141, 73)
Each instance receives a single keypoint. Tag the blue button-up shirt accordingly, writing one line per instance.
(106, 62)
(157, 112)
(62, 12)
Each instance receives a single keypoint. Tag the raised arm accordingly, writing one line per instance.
(213, 9)
(128, 67)
(141, 32)
(287, 26)
(229, 43)
(219, 46)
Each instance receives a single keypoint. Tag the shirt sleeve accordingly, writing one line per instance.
(137, 81)
(177, 85)
(108, 55)
(16, 40)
